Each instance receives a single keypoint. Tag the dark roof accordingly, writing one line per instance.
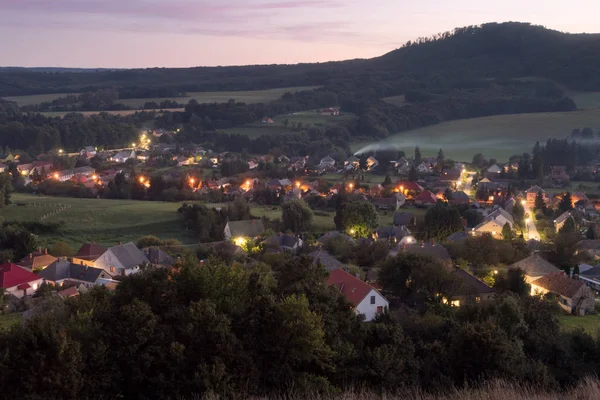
(332, 235)
(157, 256)
(535, 265)
(471, 285)
(90, 251)
(62, 269)
(403, 218)
(282, 240)
(591, 273)
(559, 283)
(589, 244)
(129, 255)
(327, 260)
(458, 237)
(388, 232)
(460, 196)
(386, 201)
(247, 228)
(450, 175)
(433, 250)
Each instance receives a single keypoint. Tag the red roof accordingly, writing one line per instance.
(90, 252)
(23, 286)
(12, 275)
(408, 185)
(351, 287)
(426, 197)
(69, 292)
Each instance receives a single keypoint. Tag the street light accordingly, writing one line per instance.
(60, 151)
(523, 202)
(142, 179)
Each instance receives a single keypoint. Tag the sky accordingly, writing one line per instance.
(185, 33)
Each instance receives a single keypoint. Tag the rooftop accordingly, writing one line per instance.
(535, 265)
(559, 283)
(350, 286)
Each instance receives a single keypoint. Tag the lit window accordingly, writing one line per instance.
(455, 303)
(35, 286)
(372, 299)
(112, 269)
(477, 299)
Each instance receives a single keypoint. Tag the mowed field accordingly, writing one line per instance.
(252, 96)
(107, 222)
(498, 136)
(36, 98)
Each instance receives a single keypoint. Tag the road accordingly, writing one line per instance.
(469, 183)
(532, 232)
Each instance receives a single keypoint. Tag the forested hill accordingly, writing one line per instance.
(507, 50)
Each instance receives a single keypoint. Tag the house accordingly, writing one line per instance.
(25, 169)
(251, 228)
(123, 156)
(17, 281)
(352, 161)
(72, 291)
(394, 234)
(37, 260)
(532, 193)
(158, 258)
(423, 168)
(403, 219)
(430, 249)
(489, 226)
(534, 267)
(559, 174)
(450, 177)
(574, 296)
(68, 174)
(502, 216)
(329, 262)
(592, 247)
(252, 164)
(61, 272)
(285, 242)
(471, 290)
(124, 259)
(183, 160)
(458, 237)
(334, 235)
(327, 162)
(494, 169)
(460, 198)
(365, 299)
(426, 198)
(372, 163)
(590, 276)
(267, 120)
(330, 111)
(88, 253)
(88, 152)
(393, 203)
(410, 189)
(560, 221)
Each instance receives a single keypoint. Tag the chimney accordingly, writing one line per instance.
(46, 250)
(31, 256)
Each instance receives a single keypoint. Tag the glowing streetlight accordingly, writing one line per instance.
(142, 179)
(495, 272)
(352, 231)
(298, 184)
(402, 188)
(56, 176)
(523, 202)
(351, 185)
(94, 177)
(239, 241)
(60, 151)
(132, 144)
(527, 220)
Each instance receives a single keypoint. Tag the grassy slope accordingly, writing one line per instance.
(498, 136)
(8, 320)
(590, 323)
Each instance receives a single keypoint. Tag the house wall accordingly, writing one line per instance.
(485, 298)
(370, 310)
(227, 232)
(491, 227)
(22, 293)
(107, 262)
(588, 303)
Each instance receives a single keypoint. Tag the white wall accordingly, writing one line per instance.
(370, 310)
(35, 285)
(107, 260)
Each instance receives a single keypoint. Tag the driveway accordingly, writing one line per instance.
(531, 232)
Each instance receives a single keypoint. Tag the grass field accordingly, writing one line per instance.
(398, 101)
(36, 98)
(8, 320)
(587, 187)
(252, 96)
(107, 222)
(498, 136)
(589, 323)
(585, 100)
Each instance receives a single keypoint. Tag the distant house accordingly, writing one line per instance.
(267, 120)
(251, 228)
(25, 169)
(424, 168)
(3, 167)
(471, 290)
(494, 169)
(62, 271)
(157, 257)
(460, 198)
(591, 247)
(182, 160)
(450, 177)
(252, 164)
(534, 267)
(532, 193)
(88, 152)
(327, 162)
(403, 219)
(88, 253)
(352, 161)
(372, 163)
(330, 111)
(574, 296)
(37, 260)
(426, 198)
(489, 226)
(65, 175)
(123, 156)
(394, 234)
(392, 203)
(17, 281)
(124, 259)
(560, 221)
(365, 299)
(285, 242)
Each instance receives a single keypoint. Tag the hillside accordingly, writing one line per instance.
(507, 50)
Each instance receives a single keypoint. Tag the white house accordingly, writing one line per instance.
(123, 156)
(3, 167)
(124, 259)
(327, 162)
(67, 174)
(494, 169)
(562, 220)
(18, 281)
(423, 168)
(365, 299)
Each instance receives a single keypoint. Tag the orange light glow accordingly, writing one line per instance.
(192, 180)
(55, 176)
(298, 184)
(142, 179)
(94, 177)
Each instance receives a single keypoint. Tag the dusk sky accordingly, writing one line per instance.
(183, 33)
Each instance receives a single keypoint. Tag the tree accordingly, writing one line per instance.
(518, 213)
(418, 157)
(440, 159)
(540, 203)
(296, 215)
(507, 233)
(358, 218)
(568, 226)
(387, 181)
(6, 188)
(412, 174)
(441, 221)
(478, 160)
(590, 233)
(566, 203)
(448, 194)
(62, 249)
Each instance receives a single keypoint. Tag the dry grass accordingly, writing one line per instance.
(588, 389)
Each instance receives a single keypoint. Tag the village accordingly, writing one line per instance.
(409, 196)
